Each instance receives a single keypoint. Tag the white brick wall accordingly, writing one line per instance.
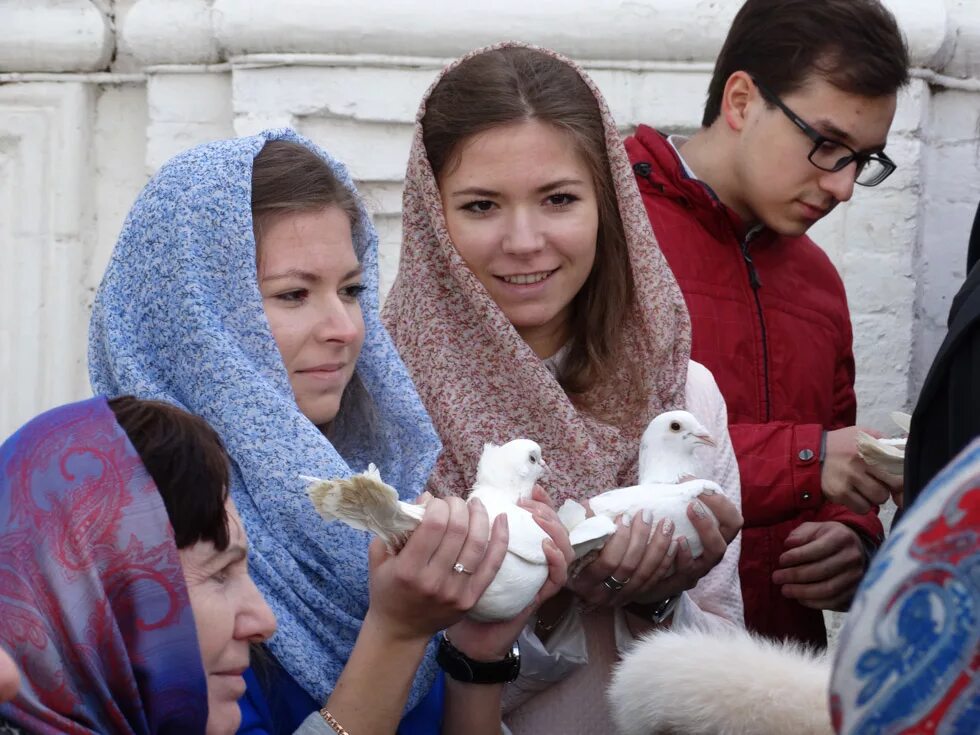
(100, 93)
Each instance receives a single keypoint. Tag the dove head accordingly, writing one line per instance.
(511, 468)
(668, 444)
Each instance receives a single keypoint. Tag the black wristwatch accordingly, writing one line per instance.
(657, 612)
(462, 668)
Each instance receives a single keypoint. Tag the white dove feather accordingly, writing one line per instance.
(504, 475)
(888, 454)
(668, 471)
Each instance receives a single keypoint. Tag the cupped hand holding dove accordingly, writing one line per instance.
(632, 553)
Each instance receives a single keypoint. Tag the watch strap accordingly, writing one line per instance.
(462, 668)
(656, 612)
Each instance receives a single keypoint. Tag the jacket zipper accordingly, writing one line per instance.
(755, 283)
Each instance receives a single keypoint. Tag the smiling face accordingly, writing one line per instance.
(309, 278)
(521, 209)
(230, 613)
(773, 182)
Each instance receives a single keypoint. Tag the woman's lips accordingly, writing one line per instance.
(327, 372)
(527, 279)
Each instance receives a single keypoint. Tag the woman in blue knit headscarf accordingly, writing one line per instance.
(268, 327)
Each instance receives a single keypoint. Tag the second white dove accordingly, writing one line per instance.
(668, 481)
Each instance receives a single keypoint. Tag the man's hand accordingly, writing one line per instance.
(848, 480)
(822, 565)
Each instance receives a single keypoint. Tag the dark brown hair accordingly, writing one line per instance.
(188, 464)
(516, 84)
(855, 45)
(289, 177)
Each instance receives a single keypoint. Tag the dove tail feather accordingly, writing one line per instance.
(368, 504)
(700, 692)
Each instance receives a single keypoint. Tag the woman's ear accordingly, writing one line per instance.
(736, 99)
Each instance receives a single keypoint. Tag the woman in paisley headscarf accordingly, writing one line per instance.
(244, 288)
(124, 594)
(532, 300)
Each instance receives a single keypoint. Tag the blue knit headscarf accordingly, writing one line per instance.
(179, 318)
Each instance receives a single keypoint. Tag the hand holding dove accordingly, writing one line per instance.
(640, 560)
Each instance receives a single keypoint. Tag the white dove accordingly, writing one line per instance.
(504, 475)
(888, 454)
(668, 482)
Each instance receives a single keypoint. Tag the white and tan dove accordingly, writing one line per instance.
(504, 475)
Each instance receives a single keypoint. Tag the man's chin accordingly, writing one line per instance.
(791, 227)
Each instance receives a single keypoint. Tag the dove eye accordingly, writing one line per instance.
(534, 460)
(675, 426)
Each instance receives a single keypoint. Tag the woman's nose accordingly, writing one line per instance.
(255, 622)
(338, 323)
(524, 235)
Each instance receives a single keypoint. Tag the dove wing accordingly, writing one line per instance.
(525, 535)
(591, 534)
(366, 503)
(571, 514)
(902, 420)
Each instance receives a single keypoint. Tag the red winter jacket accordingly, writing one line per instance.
(770, 320)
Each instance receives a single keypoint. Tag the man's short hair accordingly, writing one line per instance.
(855, 45)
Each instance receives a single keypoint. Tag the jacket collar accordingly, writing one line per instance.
(665, 172)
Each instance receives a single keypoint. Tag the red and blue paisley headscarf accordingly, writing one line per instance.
(909, 654)
(93, 605)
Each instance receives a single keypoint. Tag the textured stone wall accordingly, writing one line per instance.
(96, 95)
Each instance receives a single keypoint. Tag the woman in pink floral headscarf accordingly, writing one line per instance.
(532, 300)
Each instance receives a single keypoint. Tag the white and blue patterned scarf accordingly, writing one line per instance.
(179, 318)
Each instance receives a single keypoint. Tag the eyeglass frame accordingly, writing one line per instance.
(819, 139)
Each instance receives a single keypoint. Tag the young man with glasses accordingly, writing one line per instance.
(798, 111)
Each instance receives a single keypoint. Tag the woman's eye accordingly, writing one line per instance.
(221, 576)
(481, 206)
(561, 200)
(295, 296)
(353, 291)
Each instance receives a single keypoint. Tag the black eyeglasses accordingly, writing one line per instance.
(832, 155)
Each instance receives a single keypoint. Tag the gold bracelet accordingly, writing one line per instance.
(332, 721)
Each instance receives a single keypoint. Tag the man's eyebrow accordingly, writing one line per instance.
(830, 130)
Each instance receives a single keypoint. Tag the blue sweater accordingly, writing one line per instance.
(279, 707)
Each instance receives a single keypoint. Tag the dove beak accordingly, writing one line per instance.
(544, 467)
(703, 437)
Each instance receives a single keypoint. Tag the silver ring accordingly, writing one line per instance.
(460, 569)
(613, 584)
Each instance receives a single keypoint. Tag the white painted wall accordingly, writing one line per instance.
(98, 94)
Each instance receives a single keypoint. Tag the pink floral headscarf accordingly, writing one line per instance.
(481, 382)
